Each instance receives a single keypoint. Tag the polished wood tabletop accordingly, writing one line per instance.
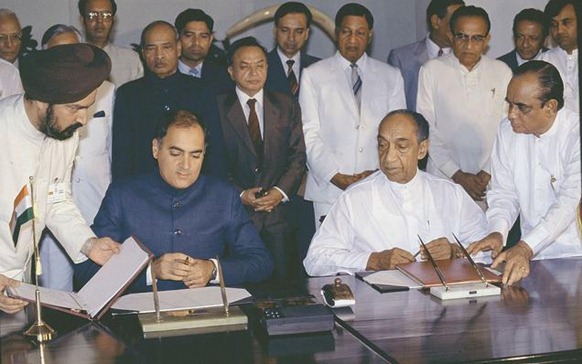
(538, 320)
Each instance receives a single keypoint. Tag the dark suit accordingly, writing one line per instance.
(510, 59)
(283, 163)
(203, 221)
(216, 76)
(139, 107)
(277, 71)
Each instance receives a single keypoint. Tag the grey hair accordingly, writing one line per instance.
(58, 29)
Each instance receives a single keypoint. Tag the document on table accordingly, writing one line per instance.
(181, 299)
(391, 278)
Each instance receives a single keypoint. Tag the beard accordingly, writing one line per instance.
(49, 127)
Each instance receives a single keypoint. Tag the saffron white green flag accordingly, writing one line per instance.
(23, 212)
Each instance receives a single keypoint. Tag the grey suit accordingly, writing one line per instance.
(408, 59)
(283, 163)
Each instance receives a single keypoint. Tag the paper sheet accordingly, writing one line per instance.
(391, 278)
(181, 299)
(48, 296)
(114, 275)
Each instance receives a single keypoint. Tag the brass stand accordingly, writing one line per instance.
(39, 329)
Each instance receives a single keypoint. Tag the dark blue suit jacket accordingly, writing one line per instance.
(203, 221)
(216, 76)
(277, 72)
(141, 104)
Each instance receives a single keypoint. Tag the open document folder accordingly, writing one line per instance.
(181, 299)
(99, 293)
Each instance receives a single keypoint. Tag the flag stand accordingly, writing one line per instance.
(39, 329)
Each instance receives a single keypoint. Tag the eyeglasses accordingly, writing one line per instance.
(105, 16)
(464, 38)
(14, 37)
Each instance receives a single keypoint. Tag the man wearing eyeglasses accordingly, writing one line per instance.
(10, 34)
(98, 17)
(462, 97)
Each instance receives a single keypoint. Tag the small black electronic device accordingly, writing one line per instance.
(261, 193)
(294, 315)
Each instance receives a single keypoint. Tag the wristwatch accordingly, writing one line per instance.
(214, 271)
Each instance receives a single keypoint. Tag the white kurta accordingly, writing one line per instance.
(339, 137)
(10, 83)
(28, 152)
(463, 109)
(567, 64)
(91, 177)
(125, 64)
(377, 214)
(538, 178)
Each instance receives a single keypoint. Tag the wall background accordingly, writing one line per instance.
(397, 22)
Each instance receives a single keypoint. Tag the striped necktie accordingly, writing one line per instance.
(254, 129)
(356, 83)
(291, 78)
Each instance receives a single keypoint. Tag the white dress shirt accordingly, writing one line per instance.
(538, 178)
(567, 64)
(296, 65)
(377, 214)
(9, 80)
(463, 109)
(125, 64)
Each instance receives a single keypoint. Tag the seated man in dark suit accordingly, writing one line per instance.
(184, 218)
(530, 29)
(195, 29)
(265, 150)
(287, 60)
(140, 103)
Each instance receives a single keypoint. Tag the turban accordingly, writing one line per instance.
(64, 74)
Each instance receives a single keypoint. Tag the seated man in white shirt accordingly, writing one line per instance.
(535, 168)
(375, 224)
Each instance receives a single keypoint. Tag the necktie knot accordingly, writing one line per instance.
(194, 72)
(251, 103)
(441, 52)
(290, 63)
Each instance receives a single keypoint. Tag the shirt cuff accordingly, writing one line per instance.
(449, 169)
(535, 238)
(285, 197)
(217, 279)
(149, 275)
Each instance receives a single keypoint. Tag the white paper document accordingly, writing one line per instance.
(391, 278)
(181, 299)
(116, 274)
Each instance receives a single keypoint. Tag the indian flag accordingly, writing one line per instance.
(22, 213)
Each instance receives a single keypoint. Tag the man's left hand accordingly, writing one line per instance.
(439, 248)
(102, 249)
(270, 201)
(200, 273)
(516, 260)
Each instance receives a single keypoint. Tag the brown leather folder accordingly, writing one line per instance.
(455, 271)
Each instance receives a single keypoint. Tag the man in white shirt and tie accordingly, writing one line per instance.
(343, 98)
(535, 168)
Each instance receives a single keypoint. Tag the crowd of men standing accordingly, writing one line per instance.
(280, 163)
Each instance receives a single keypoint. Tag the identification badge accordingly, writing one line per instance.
(56, 192)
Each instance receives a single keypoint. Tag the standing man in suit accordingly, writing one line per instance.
(530, 29)
(264, 148)
(287, 60)
(343, 99)
(437, 42)
(195, 29)
(140, 103)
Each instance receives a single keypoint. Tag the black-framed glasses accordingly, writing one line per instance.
(103, 15)
(14, 37)
(465, 38)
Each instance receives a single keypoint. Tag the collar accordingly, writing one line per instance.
(345, 64)
(185, 69)
(433, 48)
(521, 61)
(15, 64)
(415, 181)
(243, 97)
(26, 125)
(163, 82)
(455, 62)
(284, 58)
(554, 128)
(172, 191)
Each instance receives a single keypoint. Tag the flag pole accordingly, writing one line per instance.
(39, 329)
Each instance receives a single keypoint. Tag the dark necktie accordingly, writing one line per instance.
(441, 52)
(291, 78)
(254, 129)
